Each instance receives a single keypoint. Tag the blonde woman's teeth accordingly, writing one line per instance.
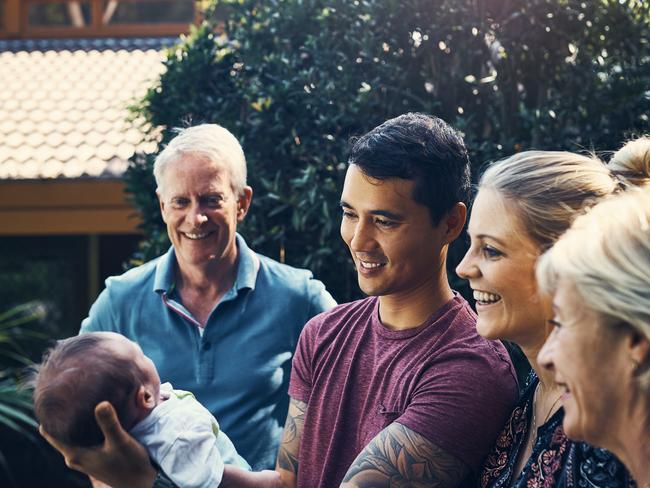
(485, 297)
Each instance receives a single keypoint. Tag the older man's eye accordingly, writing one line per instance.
(213, 201)
(179, 202)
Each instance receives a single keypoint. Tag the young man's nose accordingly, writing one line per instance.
(363, 238)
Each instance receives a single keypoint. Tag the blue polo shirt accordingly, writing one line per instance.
(239, 365)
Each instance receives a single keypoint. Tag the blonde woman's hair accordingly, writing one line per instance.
(631, 163)
(606, 255)
(548, 189)
(210, 142)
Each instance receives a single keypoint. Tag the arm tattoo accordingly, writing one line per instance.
(290, 445)
(399, 457)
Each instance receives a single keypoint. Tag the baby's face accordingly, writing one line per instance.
(132, 351)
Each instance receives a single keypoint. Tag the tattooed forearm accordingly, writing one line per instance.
(290, 445)
(400, 457)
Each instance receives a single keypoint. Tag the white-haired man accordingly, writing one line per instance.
(216, 318)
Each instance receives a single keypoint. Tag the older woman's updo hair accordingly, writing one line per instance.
(548, 189)
(606, 255)
(631, 163)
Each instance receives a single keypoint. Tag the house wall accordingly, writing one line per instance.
(59, 240)
(64, 207)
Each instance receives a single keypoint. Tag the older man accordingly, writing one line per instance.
(216, 318)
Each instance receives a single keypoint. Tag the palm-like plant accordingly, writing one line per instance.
(16, 331)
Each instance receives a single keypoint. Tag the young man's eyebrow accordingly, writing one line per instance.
(387, 214)
(382, 213)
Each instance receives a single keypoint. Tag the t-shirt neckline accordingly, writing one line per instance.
(387, 333)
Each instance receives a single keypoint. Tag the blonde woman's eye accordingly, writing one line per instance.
(491, 252)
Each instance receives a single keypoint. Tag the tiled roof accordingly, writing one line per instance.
(63, 105)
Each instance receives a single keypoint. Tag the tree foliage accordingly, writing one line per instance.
(294, 80)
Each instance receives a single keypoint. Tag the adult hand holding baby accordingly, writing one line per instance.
(120, 462)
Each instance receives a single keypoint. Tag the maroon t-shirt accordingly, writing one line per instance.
(440, 379)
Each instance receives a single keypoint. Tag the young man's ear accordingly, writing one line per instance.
(454, 221)
(144, 398)
(244, 202)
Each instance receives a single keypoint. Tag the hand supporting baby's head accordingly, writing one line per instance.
(82, 371)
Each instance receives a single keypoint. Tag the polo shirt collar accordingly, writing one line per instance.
(164, 279)
(248, 265)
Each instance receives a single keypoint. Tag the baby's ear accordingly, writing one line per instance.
(144, 398)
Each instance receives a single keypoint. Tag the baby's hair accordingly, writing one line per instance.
(77, 374)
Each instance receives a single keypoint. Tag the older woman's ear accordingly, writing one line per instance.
(639, 350)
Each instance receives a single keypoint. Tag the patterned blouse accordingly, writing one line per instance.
(555, 461)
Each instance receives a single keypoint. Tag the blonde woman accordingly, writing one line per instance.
(599, 350)
(523, 205)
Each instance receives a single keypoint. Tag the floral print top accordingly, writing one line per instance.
(555, 461)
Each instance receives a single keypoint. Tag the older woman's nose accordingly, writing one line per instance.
(545, 355)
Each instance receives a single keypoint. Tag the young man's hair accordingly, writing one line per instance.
(421, 148)
(77, 374)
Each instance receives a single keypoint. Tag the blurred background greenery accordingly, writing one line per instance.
(294, 80)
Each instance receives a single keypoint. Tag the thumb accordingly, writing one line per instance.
(109, 423)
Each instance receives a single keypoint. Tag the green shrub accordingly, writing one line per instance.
(17, 329)
(295, 79)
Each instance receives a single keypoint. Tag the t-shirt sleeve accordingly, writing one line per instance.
(193, 460)
(228, 452)
(461, 406)
(302, 365)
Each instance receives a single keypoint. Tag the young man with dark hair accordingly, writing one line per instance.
(397, 389)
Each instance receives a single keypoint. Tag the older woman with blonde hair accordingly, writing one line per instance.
(524, 203)
(599, 350)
